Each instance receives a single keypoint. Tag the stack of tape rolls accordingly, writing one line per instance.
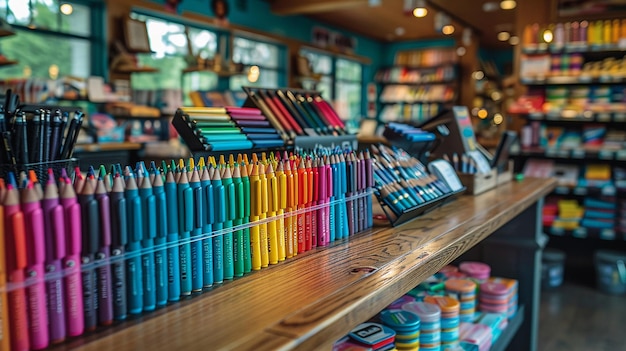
(430, 319)
(464, 290)
(407, 327)
(449, 320)
(477, 270)
(499, 290)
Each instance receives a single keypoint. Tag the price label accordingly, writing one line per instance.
(604, 117)
(606, 155)
(578, 153)
(580, 233)
(607, 234)
(619, 117)
(561, 190)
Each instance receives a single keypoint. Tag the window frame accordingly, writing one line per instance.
(281, 66)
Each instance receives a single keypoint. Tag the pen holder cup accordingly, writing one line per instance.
(478, 183)
(40, 168)
(506, 175)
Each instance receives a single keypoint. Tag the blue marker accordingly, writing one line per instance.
(197, 261)
(185, 226)
(220, 216)
(229, 205)
(135, 232)
(173, 262)
(160, 255)
(209, 217)
(148, 205)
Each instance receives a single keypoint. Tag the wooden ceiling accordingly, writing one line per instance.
(389, 22)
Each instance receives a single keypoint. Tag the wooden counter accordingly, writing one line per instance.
(311, 301)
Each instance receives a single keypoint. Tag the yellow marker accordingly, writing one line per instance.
(272, 205)
(288, 193)
(255, 210)
(255, 158)
(265, 248)
(201, 164)
(212, 161)
(181, 165)
(192, 164)
(222, 160)
(231, 160)
(281, 202)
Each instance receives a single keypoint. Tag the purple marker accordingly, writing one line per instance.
(74, 317)
(55, 252)
(105, 301)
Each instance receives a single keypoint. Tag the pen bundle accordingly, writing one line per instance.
(415, 141)
(296, 113)
(464, 164)
(121, 242)
(42, 136)
(225, 128)
(403, 183)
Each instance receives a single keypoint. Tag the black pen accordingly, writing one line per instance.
(35, 133)
(90, 242)
(62, 128)
(46, 136)
(20, 135)
(55, 136)
(8, 147)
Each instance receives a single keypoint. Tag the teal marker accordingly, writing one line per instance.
(247, 254)
(207, 228)
(135, 230)
(148, 206)
(229, 195)
(238, 242)
(173, 262)
(161, 280)
(219, 197)
(185, 226)
(197, 260)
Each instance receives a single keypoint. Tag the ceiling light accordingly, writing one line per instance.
(547, 36)
(420, 9)
(447, 29)
(482, 113)
(504, 36)
(498, 118)
(514, 40)
(420, 12)
(478, 75)
(66, 9)
(508, 4)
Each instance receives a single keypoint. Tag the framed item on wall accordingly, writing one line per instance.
(136, 36)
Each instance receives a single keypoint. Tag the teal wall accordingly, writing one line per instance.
(502, 58)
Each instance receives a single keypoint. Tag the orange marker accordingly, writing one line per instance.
(4, 304)
(281, 203)
(272, 207)
(291, 231)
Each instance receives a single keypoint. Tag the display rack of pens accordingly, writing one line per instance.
(90, 251)
(415, 141)
(299, 115)
(404, 187)
(475, 181)
(38, 139)
(217, 129)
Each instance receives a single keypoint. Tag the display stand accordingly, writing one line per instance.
(412, 213)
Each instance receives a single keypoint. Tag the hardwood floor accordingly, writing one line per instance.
(577, 317)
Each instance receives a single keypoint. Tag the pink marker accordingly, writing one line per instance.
(71, 262)
(322, 215)
(36, 256)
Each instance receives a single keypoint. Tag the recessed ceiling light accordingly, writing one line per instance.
(508, 4)
(504, 36)
(547, 36)
(420, 9)
(491, 6)
(514, 40)
(447, 29)
(482, 113)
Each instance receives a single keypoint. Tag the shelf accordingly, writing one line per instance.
(415, 102)
(5, 63)
(584, 233)
(582, 49)
(417, 84)
(316, 298)
(121, 146)
(507, 334)
(140, 116)
(211, 70)
(588, 116)
(135, 70)
(607, 190)
(580, 155)
(573, 80)
(420, 68)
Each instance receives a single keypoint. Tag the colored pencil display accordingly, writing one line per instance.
(148, 236)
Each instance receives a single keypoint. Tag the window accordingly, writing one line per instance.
(267, 58)
(170, 45)
(53, 38)
(341, 82)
